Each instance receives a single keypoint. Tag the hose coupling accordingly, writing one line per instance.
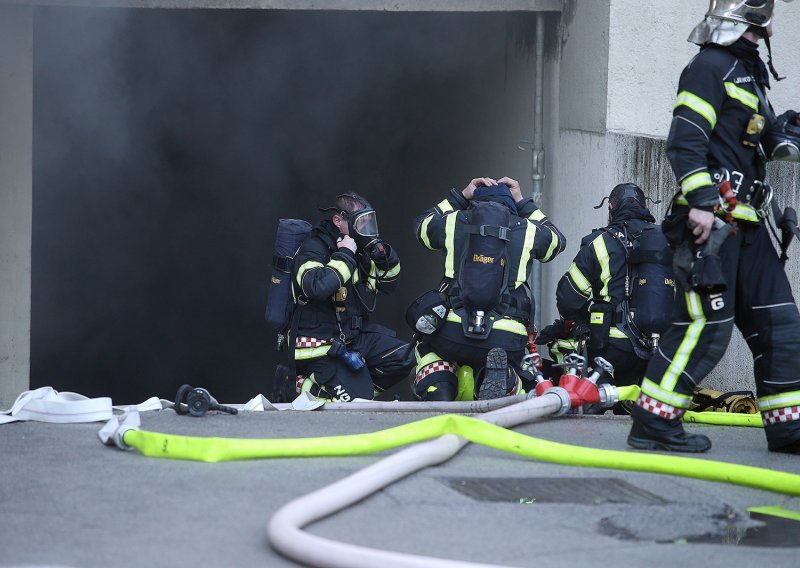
(563, 397)
(609, 395)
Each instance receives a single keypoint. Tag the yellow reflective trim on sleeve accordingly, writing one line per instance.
(743, 96)
(579, 279)
(305, 267)
(444, 206)
(596, 317)
(454, 317)
(372, 279)
(550, 254)
(340, 267)
(311, 352)
(617, 333)
(449, 245)
(423, 232)
(698, 105)
(599, 245)
(745, 212)
(537, 215)
(681, 200)
(779, 400)
(527, 247)
(394, 271)
(427, 360)
(689, 342)
(700, 179)
(669, 396)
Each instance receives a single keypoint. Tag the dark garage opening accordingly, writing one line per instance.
(167, 143)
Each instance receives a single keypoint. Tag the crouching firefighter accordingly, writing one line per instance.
(337, 274)
(479, 316)
(726, 266)
(621, 284)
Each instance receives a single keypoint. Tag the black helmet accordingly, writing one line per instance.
(626, 192)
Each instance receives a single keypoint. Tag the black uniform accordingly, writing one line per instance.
(718, 96)
(593, 287)
(335, 292)
(445, 227)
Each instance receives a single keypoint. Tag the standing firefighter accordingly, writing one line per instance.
(479, 316)
(339, 271)
(726, 267)
(621, 285)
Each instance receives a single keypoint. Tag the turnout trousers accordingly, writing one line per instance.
(388, 360)
(759, 301)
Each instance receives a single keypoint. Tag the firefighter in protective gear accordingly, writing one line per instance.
(497, 358)
(594, 286)
(718, 119)
(339, 271)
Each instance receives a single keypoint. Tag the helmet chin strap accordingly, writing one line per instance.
(772, 69)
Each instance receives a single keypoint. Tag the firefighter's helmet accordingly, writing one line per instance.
(727, 20)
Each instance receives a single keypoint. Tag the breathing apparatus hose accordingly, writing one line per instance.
(451, 433)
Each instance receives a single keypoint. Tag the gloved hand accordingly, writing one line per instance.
(559, 329)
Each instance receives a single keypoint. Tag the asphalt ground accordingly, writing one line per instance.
(67, 500)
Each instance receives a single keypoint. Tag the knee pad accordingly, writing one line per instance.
(439, 392)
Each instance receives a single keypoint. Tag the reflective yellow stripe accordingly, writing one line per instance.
(308, 383)
(423, 232)
(305, 267)
(745, 97)
(745, 213)
(449, 244)
(444, 206)
(372, 279)
(549, 255)
(617, 333)
(311, 352)
(779, 400)
(394, 271)
(341, 267)
(537, 215)
(698, 105)
(527, 246)
(579, 279)
(600, 250)
(596, 317)
(681, 200)
(690, 337)
(510, 325)
(427, 360)
(669, 396)
(504, 324)
(700, 179)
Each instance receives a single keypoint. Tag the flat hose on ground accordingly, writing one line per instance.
(452, 433)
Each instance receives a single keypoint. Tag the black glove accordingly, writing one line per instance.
(550, 333)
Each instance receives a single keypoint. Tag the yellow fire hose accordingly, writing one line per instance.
(226, 449)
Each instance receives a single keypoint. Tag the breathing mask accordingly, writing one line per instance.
(363, 224)
(782, 140)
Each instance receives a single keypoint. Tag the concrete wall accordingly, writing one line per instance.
(646, 49)
(16, 97)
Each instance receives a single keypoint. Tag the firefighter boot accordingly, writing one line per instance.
(651, 432)
(495, 377)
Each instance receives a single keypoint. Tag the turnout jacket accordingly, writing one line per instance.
(595, 281)
(335, 289)
(717, 98)
(532, 237)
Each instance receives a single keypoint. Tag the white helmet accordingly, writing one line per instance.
(727, 20)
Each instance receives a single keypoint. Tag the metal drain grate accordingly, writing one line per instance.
(580, 490)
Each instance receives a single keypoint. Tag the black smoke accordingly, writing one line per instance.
(167, 143)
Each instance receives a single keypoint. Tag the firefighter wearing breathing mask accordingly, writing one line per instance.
(339, 271)
(727, 270)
